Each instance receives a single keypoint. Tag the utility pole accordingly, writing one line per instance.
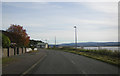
(75, 37)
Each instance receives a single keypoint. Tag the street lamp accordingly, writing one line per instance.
(55, 41)
(75, 37)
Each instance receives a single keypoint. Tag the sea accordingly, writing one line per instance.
(114, 48)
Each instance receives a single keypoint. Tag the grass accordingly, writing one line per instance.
(8, 60)
(108, 56)
(104, 58)
(102, 52)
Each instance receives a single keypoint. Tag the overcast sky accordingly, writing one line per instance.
(95, 21)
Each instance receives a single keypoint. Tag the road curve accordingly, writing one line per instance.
(59, 62)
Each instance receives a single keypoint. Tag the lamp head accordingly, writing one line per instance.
(74, 26)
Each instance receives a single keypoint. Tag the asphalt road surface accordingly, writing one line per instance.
(59, 62)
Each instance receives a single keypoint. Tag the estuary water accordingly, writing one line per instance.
(107, 48)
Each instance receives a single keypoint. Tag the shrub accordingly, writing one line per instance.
(5, 41)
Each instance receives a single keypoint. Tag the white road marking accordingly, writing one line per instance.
(27, 71)
(84, 73)
(73, 62)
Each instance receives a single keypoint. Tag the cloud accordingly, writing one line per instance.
(90, 22)
(106, 7)
(32, 5)
(64, 36)
(60, 0)
(70, 21)
(47, 20)
(61, 35)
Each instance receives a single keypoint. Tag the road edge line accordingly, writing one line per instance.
(28, 70)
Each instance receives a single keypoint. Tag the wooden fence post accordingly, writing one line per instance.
(14, 50)
(25, 49)
(8, 51)
(17, 50)
(22, 50)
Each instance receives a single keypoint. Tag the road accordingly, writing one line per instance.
(58, 62)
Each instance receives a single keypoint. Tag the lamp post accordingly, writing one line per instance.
(75, 37)
(55, 41)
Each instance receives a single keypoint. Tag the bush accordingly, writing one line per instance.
(102, 52)
(5, 41)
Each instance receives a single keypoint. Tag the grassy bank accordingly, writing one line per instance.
(108, 56)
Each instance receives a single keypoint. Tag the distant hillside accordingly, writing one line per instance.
(92, 44)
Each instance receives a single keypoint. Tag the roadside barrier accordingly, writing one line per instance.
(7, 52)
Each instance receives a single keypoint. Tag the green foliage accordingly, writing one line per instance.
(5, 41)
(33, 43)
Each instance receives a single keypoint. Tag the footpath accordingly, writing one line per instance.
(24, 63)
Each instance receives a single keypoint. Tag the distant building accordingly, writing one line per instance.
(42, 45)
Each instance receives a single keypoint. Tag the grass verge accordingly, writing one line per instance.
(107, 59)
(8, 60)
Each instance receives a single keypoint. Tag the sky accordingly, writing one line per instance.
(95, 21)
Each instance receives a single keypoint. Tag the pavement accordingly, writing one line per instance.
(23, 63)
(58, 62)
